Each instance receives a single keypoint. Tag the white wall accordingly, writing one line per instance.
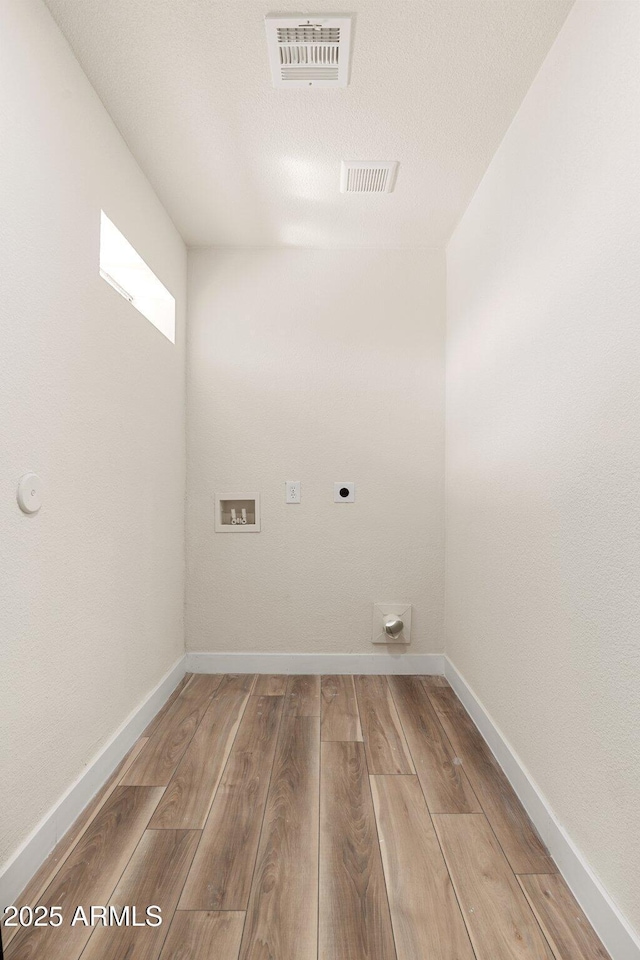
(318, 366)
(91, 589)
(543, 439)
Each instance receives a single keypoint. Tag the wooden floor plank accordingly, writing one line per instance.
(522, 845)
(270, 685)
(155, 875)
(302, 697)
(354, 919)
(434, 680)
(220, 878)
(565, 926)
(160, 715)
(339, 709)
(157, 762)
(384, 741)
(187, 800)
(89, 875)
(425, 914)
(203, 936)
(34, 890)
(498, 917)
(318, 889)
(442, 778)
(282, 913)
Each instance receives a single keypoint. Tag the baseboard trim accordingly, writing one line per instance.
(53, 826)
(309, 663)
(609, 923)
(614, 931)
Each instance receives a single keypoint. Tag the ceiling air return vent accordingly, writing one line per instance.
(368, 177)
(309, 52)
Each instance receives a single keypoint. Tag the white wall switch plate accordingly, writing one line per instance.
(344, 492)
(292, 491)
(382, 612)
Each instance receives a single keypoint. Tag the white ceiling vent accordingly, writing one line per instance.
(368, 177)
(309, 52)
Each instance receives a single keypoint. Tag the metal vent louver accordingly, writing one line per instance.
(368, 177)
(309, 52)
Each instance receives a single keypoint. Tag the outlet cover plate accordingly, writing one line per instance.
(347, 485)
(292, 491)
(386, 611)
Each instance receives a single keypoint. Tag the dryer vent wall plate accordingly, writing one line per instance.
(309, 50)
(387, 612)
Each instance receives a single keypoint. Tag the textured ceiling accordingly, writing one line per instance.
(235, 161)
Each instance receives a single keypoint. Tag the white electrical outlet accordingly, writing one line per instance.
(292, 491)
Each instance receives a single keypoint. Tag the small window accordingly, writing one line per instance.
(127, 273)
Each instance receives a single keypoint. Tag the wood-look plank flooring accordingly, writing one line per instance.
(203, 936)
(282, 917)
(155, 875)
(565, 926)
(186, 801)
(308, 818)
(34, 891)
(339, 709)
(424, 911)
(90, 874)
(302, 697)
(523, 847)
(163, 711)
(270, 685)
(384, 740)
(500, 922)
(442, 778)
(169, 739)
(354, 910)
(222, 872)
